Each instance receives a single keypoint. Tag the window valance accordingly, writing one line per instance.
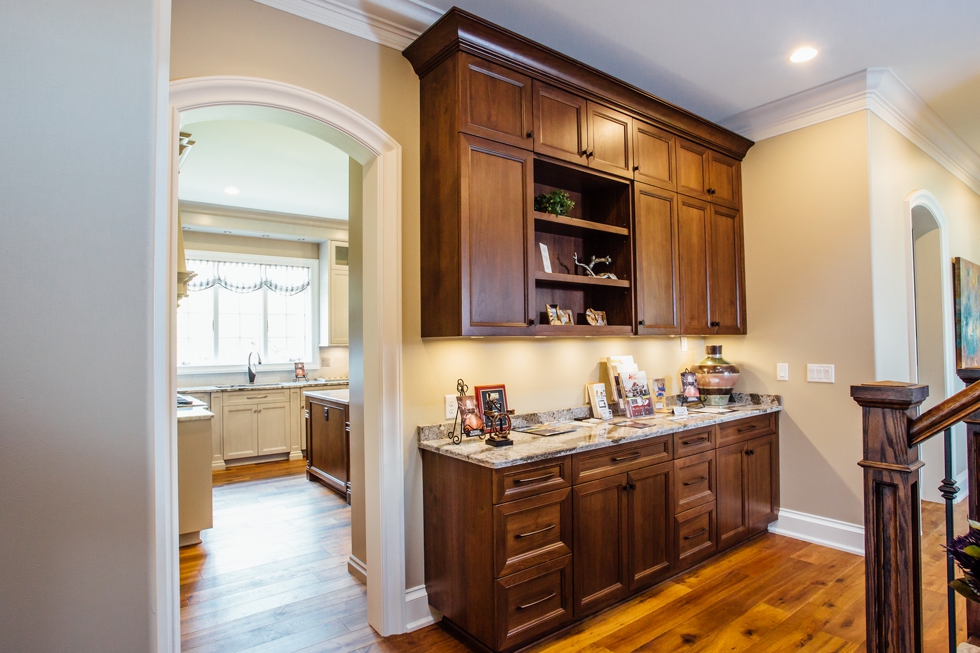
(248, 277)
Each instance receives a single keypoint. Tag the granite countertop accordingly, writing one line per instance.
(312, 383)
(343, 396)
(585, 436)
(194, 413)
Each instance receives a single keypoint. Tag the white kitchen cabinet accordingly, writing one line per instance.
(272, 425)
(239, 431)
(255, 423)
(334, 293)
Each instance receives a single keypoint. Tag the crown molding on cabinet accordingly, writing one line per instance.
(393, 23)
(877, 90)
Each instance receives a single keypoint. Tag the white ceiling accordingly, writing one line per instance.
(274, 167)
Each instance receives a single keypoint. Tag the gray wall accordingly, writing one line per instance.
(78, 107)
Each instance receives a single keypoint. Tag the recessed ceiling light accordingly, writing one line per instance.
(803, 54)
(231, 190)
(302, 239)
(187, 228)
(265, 235)
(227, 232)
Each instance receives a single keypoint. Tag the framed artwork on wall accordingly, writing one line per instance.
(966, 297)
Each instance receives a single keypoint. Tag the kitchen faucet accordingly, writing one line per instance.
(251, 368)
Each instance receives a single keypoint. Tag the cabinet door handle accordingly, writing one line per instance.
(641, 322)
(750, 452)
(746, 429)
(540, 530)
(259, 397)
(629, 456)
(585, 152)
(703, 438)
(530, 322)
(533, 479)
(636, 168)
(711, 191)
(533, 603)
(326, 414)
(694, 535)
(716, 324)
(530, 134)
(696, 481)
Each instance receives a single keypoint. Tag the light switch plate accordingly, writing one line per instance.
(451, 407)
(683, 343)
(782, 371)
(819, 373)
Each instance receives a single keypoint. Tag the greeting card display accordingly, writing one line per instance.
(597, 397)
(636, 394)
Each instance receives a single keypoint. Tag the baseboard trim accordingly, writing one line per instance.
(832, 533)
(357, 569)
(418, 614)
(963, 483)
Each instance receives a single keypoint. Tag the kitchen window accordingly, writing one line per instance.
(240, 304)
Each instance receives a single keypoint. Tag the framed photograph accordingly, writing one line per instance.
(470, 415)
(554, 314)
(966, 300)
(487, 394)
(299, 369)
(566, 316)
(597, 398)
(545, 257)
(689, 387)
(592, 316)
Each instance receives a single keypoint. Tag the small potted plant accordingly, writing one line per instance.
(557, 202)
(965, 550)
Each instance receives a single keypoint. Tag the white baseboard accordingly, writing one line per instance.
(963, 483)
(357, 569)
(418, 614)
(820, 530)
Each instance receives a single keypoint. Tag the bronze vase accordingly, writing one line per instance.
(716, 377)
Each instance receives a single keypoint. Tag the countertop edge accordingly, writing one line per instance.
(264, 386)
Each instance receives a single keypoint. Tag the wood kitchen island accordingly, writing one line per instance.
(523, 541)
(328, 439)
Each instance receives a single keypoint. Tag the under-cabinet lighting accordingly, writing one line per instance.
(803, 54)
(231, 190)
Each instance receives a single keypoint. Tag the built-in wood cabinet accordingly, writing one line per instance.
(328, 444)
(551, 541)
(504, 120)
(255, 424)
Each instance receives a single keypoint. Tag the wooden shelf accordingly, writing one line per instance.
(575, 226)
(580, 280)
(582, 330)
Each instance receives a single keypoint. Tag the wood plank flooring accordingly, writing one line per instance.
(271, 577)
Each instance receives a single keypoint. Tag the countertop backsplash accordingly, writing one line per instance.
(333, 364)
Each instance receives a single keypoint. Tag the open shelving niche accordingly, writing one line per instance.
(598, 225)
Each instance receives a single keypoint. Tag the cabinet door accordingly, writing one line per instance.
(656, 261)
(495, 221)
(600, 522)
(726, 288)
(328, 445)
(733, 525)
(724, 180)
(272, 425)
(692, 169)
(610, 140)
(238, 431)
(654, 156)
(692, 270)
(560, 124)
(651, 522)
(495, 102)
(339, 307)
(762, 481)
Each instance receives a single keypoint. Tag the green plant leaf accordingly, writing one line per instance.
(960, 587)
(973, 551)
(973, 524)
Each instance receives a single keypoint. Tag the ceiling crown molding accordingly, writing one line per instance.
(877, 90)
(394, 23)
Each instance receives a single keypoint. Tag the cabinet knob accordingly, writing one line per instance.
(636, 168)
(530, 134)
(591, 154)
(641, 322)
(530, 322)
(750, 452)
(585, 152)
(711, 191)
(716, 324)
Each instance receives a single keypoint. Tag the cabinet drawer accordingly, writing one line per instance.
(530, 531)
(695, 535)
(533, 602)
(687, 443)
(694, 481)
(528, 480)
(746, 429)
(255, 396)
(621, 458)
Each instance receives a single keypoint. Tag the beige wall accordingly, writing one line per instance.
(208, 242)
(808, 285)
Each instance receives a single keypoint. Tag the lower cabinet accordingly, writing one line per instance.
(515, 553)
(254, 429)
(328, 444)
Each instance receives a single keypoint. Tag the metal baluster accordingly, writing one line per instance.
(949, 490)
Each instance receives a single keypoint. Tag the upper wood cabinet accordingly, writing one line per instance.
(724, 180)
(494, 102)
(560, 124)
(656, 261)
(654, 155)
(610, 140)
(708, 175)
(692, 268)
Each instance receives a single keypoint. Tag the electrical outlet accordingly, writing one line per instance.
(782, 371)
(683, 343)
(819, 373)
(451, 406)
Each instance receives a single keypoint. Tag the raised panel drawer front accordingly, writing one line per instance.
(272, 395)
(694, 480)
(746, 429)
(495, 102)
(695, 533)
(530, 531)
(533, 602)
(533, 478)
(687, 443)
(621, 458)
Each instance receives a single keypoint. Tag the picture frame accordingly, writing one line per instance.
(595, 318)
(690, 392)
(966, 307)
(545, 258)
(485, 393)
(566, 316)
(299, 369)
(471, 417)
(554, 314)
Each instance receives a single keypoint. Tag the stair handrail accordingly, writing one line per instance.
(945, 414)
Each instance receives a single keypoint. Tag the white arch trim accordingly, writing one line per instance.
(381, 157)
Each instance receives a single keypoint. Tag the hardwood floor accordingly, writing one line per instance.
(271, 576)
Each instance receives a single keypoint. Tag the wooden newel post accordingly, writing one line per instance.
(892, 544)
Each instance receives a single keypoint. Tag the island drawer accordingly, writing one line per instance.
(608, 461)
(533, 602)
(527, 480)
(746, 429)
(694, 481)
(695, 535)
(687, 443)
(531, 531)
(255, 396)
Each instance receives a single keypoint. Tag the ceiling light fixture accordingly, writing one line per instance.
(227, 232)
(231, 190)
(803, 54)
